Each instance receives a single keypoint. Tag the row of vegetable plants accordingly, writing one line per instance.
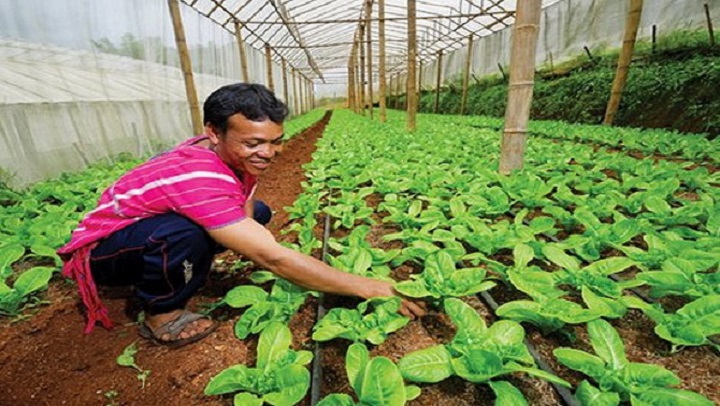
(429, 211)
(36, 221)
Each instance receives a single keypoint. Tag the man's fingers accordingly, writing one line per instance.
(411, 309)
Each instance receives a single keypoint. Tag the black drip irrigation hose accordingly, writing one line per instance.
(567, 397)
(316, 373)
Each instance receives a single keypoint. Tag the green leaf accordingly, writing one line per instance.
(649, 375)
(582, 361)
(337, 400)
(242, 296)
(413, 288)
(607, 343)
(274, 342)
(294, 382)
(558, 256)
(588, 395)
(260, 277)
(430, 364)
(382, 384)
(478, 365)
(247, 399)
(33, 279)
(523, 254)
(506, 394)
(412, 392)
(465, 318)
(669, 397)
(233, 379)
(506, 333)
(356, 360)
(610, 266)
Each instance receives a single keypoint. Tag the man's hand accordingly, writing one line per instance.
(408, 308)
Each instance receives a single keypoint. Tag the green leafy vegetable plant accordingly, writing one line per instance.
(441, 279)
(619, 379)
(280, 377)
(359, 324)
(127, 359)
(477, 353)
(280, 304)
(691, 325)
(376, 382)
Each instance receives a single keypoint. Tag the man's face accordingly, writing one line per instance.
(247, 146)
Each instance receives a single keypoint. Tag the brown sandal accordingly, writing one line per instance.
(174, 328)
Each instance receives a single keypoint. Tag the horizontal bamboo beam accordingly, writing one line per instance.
(386, 19)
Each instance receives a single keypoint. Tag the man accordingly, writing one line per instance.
(159, 225)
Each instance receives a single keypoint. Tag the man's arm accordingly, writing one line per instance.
(254, 241)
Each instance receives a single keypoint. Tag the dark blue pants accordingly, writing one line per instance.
(167, 258)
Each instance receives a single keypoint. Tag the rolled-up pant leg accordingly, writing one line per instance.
(166, 257)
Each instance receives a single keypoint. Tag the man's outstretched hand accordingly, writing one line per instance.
(408, 308)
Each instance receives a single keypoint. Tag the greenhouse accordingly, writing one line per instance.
(366, 202)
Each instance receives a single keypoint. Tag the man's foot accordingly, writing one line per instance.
(177, 328)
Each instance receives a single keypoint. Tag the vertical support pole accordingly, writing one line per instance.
(466, 75)
(631, 28)
(186, 66)
(368, 38)
(383, 74)
(420, 78)
(654, 38)
(361, 38)
(300, 91)
(709, 24)
(296, 97)
(285, 81)
(411, 91)
(243, 52)
(438, 80)
(351, 81)
(397, 91)
(520, 89)
(269, 69)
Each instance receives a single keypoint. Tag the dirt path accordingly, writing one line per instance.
(47, 360)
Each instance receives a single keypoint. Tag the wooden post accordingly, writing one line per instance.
(301, 94)
(296, 97)
(466, 75)
(420, 78)
(654, 38)
(438, 81)
(351, 81)
(410, 94)
(362, 68)
(709, 24)
(186, 66)
(397, 92)
(383, 74)
(285, 81)
(368, 37)
(520, 89)
(631, 28)
(268, 64)
(243, 53)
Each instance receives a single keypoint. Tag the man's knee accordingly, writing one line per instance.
(261, 212)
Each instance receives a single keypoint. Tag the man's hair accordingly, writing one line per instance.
(254, 101)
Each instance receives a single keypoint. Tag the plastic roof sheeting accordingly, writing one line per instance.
(316, 36)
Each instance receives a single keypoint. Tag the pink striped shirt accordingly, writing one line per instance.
(190, 180)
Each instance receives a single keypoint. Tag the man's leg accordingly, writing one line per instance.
(167, 258)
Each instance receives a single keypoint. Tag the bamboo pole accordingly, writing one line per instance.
(520, 89)
(631, 27)
(285, 81)
(420, 78)
(243, 53)
(302, 95)
(362, 69)
(368, 39)
(382, 68)
(186, 66)
(411, 95)
(711, 32)
(438, 80)
(397, 91)
(296, 98)
(269, 70)
(466, 75)
(351, 82)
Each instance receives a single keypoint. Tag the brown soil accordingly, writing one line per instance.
(47, 360)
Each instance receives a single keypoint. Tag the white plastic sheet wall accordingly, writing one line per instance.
(65, 102)
(568, 26)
